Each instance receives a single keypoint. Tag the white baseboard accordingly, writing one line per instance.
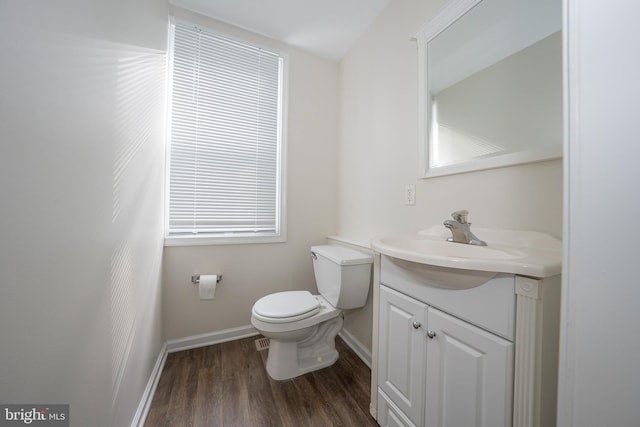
(217, 337)
(360, 350)
(145, 403)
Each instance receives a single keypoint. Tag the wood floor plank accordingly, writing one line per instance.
(208, 399)
(227, 385)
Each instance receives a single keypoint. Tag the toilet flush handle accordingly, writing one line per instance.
(314, 255)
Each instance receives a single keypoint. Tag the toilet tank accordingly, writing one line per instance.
(343, 275)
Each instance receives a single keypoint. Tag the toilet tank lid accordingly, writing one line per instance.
(342, 255)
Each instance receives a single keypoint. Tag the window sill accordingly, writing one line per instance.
(214, 241)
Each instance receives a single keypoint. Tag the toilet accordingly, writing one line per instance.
(302, 327)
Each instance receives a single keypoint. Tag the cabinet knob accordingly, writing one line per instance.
(416, 325)
(431, 334)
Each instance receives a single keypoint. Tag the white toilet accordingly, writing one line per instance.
(302, 327)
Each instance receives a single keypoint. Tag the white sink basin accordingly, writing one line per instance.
(526, 253)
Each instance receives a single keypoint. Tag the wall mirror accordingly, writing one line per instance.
(490, 85)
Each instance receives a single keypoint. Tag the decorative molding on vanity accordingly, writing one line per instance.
(527, 287)
(536, 351)
(526, 384)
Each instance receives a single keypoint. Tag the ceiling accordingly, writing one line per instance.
(327, 28)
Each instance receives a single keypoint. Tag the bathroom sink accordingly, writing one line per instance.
(526, 253)
(425, 245)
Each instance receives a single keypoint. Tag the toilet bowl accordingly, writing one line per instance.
(302, 327)
(302, 344)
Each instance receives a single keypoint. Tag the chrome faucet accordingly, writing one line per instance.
(460, 229)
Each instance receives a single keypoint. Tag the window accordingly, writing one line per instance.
(225, 156)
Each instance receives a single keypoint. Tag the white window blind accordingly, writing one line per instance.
(225, 138)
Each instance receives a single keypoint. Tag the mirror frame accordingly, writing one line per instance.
(443, 20)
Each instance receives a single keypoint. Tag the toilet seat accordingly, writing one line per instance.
(285, 307)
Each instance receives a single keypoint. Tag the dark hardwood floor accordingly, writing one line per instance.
(227, 385)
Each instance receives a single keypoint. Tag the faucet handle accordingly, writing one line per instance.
(460, 216)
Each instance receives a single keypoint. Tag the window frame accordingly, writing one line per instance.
(280, 235)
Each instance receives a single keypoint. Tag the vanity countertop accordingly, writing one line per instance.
(526, 253)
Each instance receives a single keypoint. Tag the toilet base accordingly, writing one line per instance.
(289, 359)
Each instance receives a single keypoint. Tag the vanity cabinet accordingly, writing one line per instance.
(448, 356)
(436, 367)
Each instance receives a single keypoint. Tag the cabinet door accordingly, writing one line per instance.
(389, 415)
(401, 347)
(469, 375)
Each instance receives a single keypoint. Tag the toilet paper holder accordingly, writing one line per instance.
(195, 278)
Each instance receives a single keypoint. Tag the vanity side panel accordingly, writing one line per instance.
(551, 297)
(490, 306)
(373, 405)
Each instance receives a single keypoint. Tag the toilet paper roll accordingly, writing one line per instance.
(207, 286)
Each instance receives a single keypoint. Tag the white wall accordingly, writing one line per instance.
(600, 342)
(379, 147)
(81, 167)
(252, 271)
